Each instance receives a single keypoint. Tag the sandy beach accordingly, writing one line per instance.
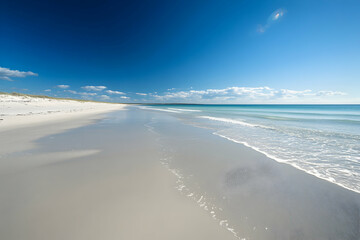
(93, 177)
(135, 173)
(19, 111)
(179, 120)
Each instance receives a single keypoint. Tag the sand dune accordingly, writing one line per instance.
(21, 110)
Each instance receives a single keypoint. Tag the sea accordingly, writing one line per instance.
(322, 140)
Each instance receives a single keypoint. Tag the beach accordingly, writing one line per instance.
(93, 177)
(179, 120)
(22, 110)
(137, 173)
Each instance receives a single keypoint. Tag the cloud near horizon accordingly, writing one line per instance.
(104, 97)
(275, 17)
(7, 74)
(94, 88)
(81, 93)
(90, 95)
(62, 86)
(245, 95)
(114, 92)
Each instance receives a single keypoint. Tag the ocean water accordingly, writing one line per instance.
(322, 140)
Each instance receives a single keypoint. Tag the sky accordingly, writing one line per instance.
(233, 51)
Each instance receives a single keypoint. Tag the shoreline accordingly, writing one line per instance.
(258, 197)
(305, 157)
(284, 162)
(138, 174)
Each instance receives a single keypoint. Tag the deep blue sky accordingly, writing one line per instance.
(309, 52)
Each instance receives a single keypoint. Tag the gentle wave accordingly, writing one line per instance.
(184, 110)
(323, 141)
(229, 120)
(330, 120)
(172, 110)
(160, 109)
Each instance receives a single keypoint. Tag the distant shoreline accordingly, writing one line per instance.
(179, 103)
(260, 104)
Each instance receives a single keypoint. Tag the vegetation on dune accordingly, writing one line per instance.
(53, 98)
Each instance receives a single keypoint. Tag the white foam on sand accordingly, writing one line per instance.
(201, 200)
(313, 171)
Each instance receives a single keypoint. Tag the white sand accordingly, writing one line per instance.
(90, 183)
(23, 111)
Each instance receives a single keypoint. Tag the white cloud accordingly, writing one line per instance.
(330, 93)
(246, 95)
(114, 92)
(104, 97)
(123, 97)
(71, 91)
(7, 74)
(87, 94)
(273, 18)
(47, 90)
(81, 93)
(141, 94)
(94, 88)
(63, 86)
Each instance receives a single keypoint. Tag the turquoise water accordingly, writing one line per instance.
(323, 140)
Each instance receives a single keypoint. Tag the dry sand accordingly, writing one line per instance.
(22, 111)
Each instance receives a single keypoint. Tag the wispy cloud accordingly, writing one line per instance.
(71, 91)
(63, 86)
(94, 88)
(7, 74)
(81, 93)
(114, 92)
(104, 97)
(124, 97)
(87, 94)
(246, 95)
(47, 90)
(141, 94)
(275, 17)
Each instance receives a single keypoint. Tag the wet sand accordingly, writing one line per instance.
(140, 174)
(100, 181)
(252, 195)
